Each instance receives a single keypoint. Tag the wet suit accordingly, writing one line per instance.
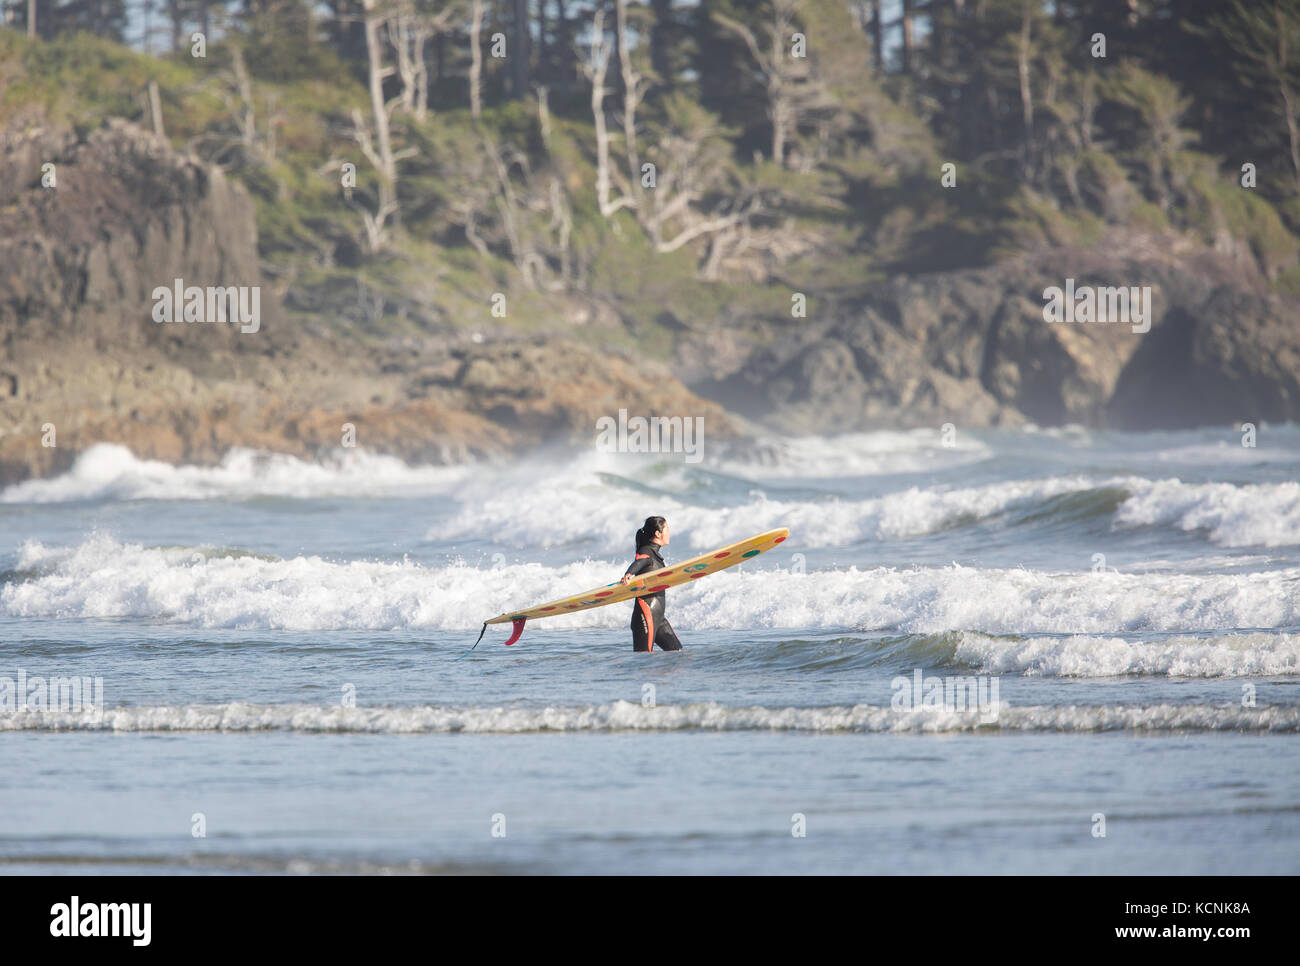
(649, 626)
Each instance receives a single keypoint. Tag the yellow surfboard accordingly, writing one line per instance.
(643, 584)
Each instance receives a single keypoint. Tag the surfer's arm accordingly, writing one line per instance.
(640, 565)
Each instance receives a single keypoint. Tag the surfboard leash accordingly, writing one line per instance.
(476, 643)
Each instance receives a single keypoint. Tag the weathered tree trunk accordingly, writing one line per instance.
(421, 74)
(475, 60)
(379, 150)
(774, 65)
(633, 90)
(1023, 54)
(155, 109)
(544, 114)
(409, 32)
(1290, 109)
(596, 68)
(376, 74)
(878, 35)
(246, 118)
(909, 37)
(400, 29)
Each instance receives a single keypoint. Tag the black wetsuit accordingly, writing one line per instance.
(649, 626)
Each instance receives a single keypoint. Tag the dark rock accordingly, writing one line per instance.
(1233, 358)
(972, 347)
(78, 264)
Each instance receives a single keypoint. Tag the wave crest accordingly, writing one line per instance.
(619, 716)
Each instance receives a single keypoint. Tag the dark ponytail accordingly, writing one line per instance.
(647, 533)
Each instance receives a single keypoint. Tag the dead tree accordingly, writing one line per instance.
(506, 209)
(781, 73)
(251, 141)
(1024, 54)
(409, 33)
(634, 89)
(595, 68)
(377, 146)
(475, 60)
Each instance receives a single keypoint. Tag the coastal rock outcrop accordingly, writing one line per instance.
(1198, 345)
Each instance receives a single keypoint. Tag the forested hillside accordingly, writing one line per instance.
(745, 191)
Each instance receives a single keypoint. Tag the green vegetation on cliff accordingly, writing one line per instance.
(733, 171)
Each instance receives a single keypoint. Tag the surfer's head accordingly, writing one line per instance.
(655, 530)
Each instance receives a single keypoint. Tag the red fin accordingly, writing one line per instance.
(519, 629)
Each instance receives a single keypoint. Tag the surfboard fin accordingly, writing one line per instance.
(519, 629)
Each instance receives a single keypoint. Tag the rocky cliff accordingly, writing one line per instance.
(974, 348)
(80, 351)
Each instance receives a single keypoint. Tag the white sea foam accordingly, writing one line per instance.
(1254, 515)
(999, 601)
(531, 516)
(907, 513)
(102, 578)
(1088, 656)
(625, 716)
(1230, 452)
(112, 472)
(544, 501)
(858, 454)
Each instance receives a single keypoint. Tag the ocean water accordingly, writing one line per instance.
(1064, 651)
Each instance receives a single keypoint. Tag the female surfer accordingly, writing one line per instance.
(649, 626)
